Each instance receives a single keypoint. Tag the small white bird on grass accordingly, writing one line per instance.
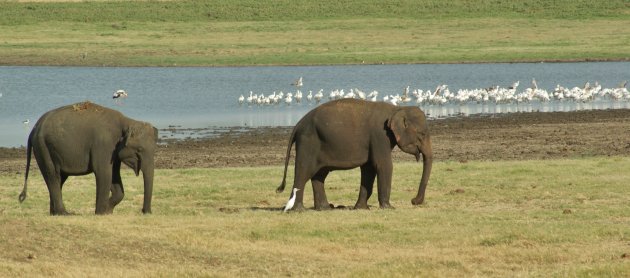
(291, 201)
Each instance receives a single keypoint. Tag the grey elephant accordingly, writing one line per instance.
(350, 133)
(86, 138)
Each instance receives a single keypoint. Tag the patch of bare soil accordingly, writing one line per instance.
(516, 136)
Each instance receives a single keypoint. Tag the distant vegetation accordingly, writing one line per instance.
(288, 10)
(299, 32)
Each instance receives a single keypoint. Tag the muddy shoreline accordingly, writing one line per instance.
(515, 136)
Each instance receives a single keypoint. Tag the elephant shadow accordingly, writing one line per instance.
(332, 207)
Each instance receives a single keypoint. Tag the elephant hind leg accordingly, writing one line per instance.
(54, 181)
(304, 171)
(368, 174)
(319, 193)
(299, 183)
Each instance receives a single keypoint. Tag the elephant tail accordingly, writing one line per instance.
(286, 161)
(29, 151)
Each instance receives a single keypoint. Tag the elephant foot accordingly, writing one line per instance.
(105, 211)
(299, 207)
(324, 206)
(417, 201)
(361, 206)
(386, 206)
(61, 213)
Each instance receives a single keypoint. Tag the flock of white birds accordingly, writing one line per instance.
(442, 95)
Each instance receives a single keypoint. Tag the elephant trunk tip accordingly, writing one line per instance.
(417, 201)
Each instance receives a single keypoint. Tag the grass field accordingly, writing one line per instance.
(530, 218)
(248, 32)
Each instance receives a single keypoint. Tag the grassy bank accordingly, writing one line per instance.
(218, 33)
(535, 218)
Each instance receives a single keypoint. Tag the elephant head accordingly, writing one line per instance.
(137, 150)
(410, 130)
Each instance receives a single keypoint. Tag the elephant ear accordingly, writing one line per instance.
(133, 135)
(397, 124)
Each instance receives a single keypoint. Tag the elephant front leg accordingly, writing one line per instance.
(319, 193)
(103, 188)
(368, 174)
(384, 183)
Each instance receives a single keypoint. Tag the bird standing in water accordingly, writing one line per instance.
(291, 201)
(118, 95)
(298, 83)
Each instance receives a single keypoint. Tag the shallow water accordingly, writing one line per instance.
(203, 97)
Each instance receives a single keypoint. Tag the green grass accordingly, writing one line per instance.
(248, 32)
(299, 10)
(530, 218)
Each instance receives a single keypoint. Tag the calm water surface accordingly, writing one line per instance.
(204, 97)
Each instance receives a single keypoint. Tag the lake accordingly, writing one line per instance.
(206, 97)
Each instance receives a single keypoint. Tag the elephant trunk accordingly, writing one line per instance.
(147, 175)
(427, 159)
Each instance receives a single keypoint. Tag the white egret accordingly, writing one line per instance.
(298, 83)
(298, 96)
(291, 201)
(318, 97)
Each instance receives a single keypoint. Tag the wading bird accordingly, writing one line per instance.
(241, 99)
(298, 83)
(118, 95)
(291, 201)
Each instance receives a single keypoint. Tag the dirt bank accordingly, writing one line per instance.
(489, 137)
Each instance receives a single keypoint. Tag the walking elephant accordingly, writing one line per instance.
(350, 133)
(86, 138)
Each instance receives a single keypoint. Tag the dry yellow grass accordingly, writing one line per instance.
(532, 218)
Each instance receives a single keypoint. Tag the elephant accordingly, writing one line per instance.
(86, 138)
(349, 133)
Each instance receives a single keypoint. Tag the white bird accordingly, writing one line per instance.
(298, 83)
(26, 122)
(534, 84)
(119, 94)
(288, 99)
(291, 201)
(298, 96)
(514, 85)
(319, 95)
(241, 99)
(405, 96)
